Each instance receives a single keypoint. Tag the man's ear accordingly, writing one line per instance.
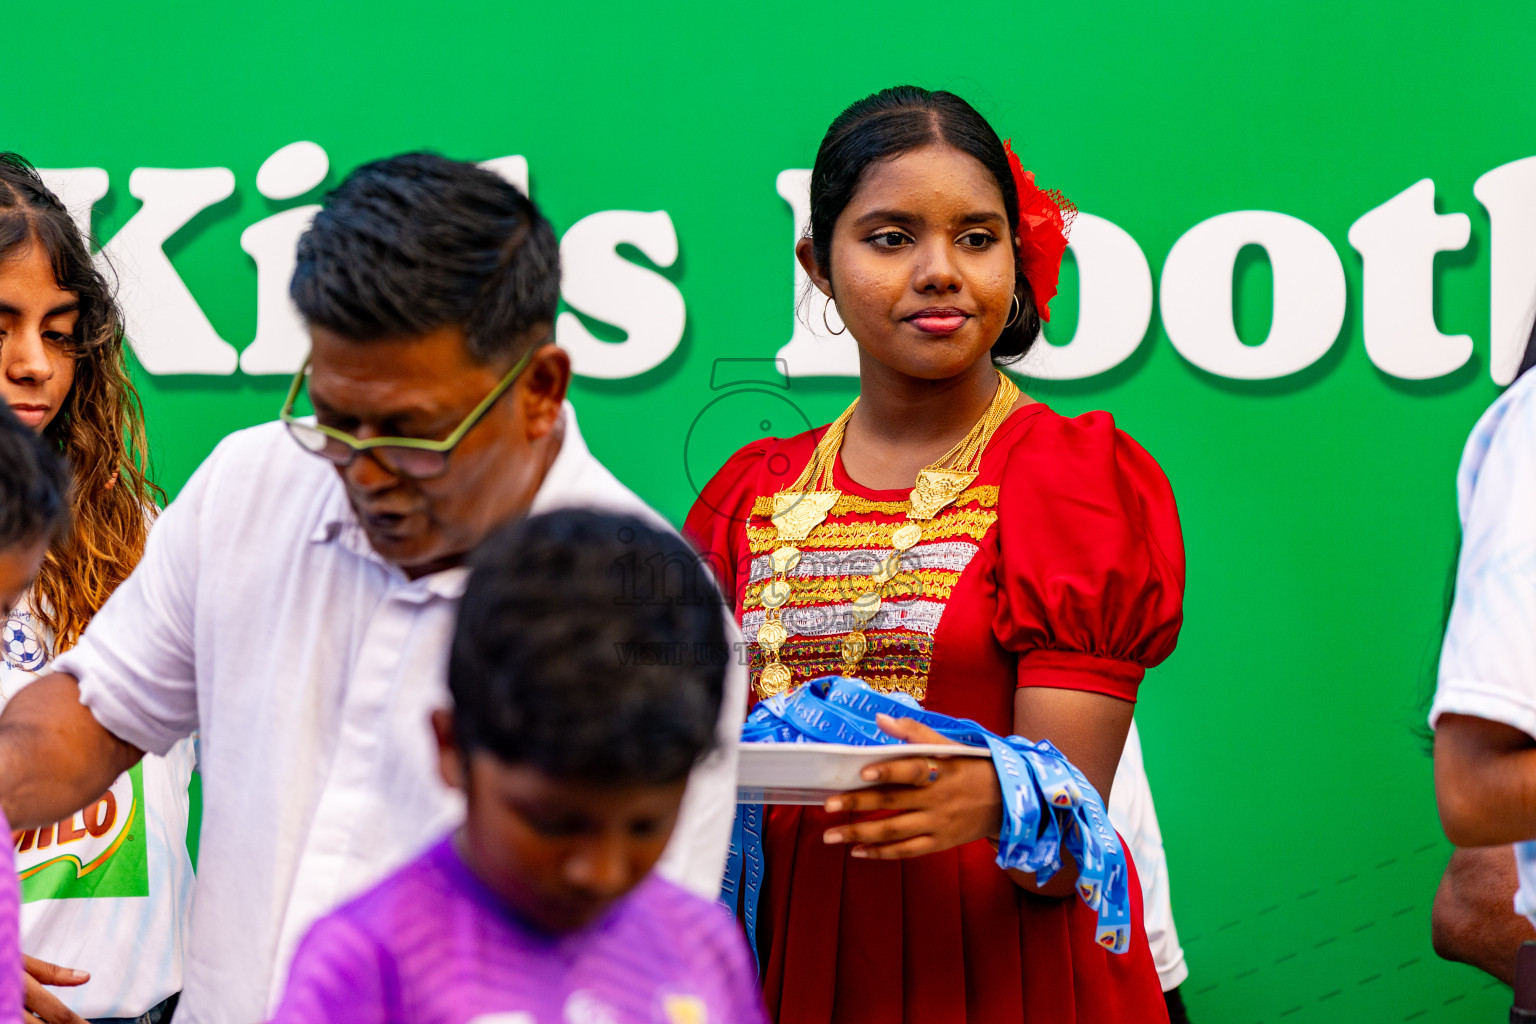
(450, 762)
(805, 252)
(541, 389)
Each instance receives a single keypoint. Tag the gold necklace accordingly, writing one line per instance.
(806, 504)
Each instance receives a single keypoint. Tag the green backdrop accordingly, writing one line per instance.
(1294, 792)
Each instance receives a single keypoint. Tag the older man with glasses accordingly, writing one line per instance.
(296, 611)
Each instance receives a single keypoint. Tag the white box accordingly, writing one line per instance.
(808, 773)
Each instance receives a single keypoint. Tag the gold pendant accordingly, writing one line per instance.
(935, 489)
(774, 680)
(771, 636)
(906, 536)
(797, 513)
(785, 560)
(864, 607)
(776, 594)
(854, 648)
(890, 566)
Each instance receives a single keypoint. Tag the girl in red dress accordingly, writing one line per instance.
(953, 539)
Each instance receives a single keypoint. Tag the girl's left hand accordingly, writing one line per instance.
(938, 802)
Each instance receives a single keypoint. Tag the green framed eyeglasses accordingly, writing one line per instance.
(413, 457)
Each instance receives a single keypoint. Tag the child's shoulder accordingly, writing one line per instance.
(350, 964)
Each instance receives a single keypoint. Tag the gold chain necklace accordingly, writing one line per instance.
(806, 505)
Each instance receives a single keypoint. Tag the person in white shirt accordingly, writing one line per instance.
(1484, 710)
(296, 601)
(106, 890)
(1134, 816)
(34, 511)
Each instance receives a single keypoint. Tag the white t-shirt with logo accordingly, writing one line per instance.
(1488, 661)
(108, 890)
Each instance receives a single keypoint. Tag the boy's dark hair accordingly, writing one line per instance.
(590, 646)
(896, 121)
(34, 485)
(416, 242)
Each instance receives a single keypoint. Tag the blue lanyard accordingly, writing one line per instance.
(1048, 804)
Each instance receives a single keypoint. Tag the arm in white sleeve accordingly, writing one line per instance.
(1134, 816)
(1488, 660)
(1484, 712)
(695, 857)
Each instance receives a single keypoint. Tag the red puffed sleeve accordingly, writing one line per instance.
(1090, 558)
(716, 525)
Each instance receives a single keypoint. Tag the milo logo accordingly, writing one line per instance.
(98, 851)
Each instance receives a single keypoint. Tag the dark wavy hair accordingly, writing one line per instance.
(409, 244)
(562, 660)
(99, 430)
(895, 121)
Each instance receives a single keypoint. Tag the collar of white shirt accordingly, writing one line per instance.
(575, 478)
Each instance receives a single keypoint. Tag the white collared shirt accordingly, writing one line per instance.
(1488, 659)
(261, 616)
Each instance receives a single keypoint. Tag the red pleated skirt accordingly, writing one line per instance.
(942, 939)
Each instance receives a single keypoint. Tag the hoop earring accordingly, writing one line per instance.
(826, 306)
(1017, 313)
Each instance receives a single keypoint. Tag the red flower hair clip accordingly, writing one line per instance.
(1045, 218)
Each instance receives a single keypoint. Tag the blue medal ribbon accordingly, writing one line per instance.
(1049, 806)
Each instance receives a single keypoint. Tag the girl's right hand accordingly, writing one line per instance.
(44, 1004)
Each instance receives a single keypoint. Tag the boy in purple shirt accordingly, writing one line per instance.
(34, 507)
(584, 689)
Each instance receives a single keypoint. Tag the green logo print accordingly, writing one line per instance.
(95, 852)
